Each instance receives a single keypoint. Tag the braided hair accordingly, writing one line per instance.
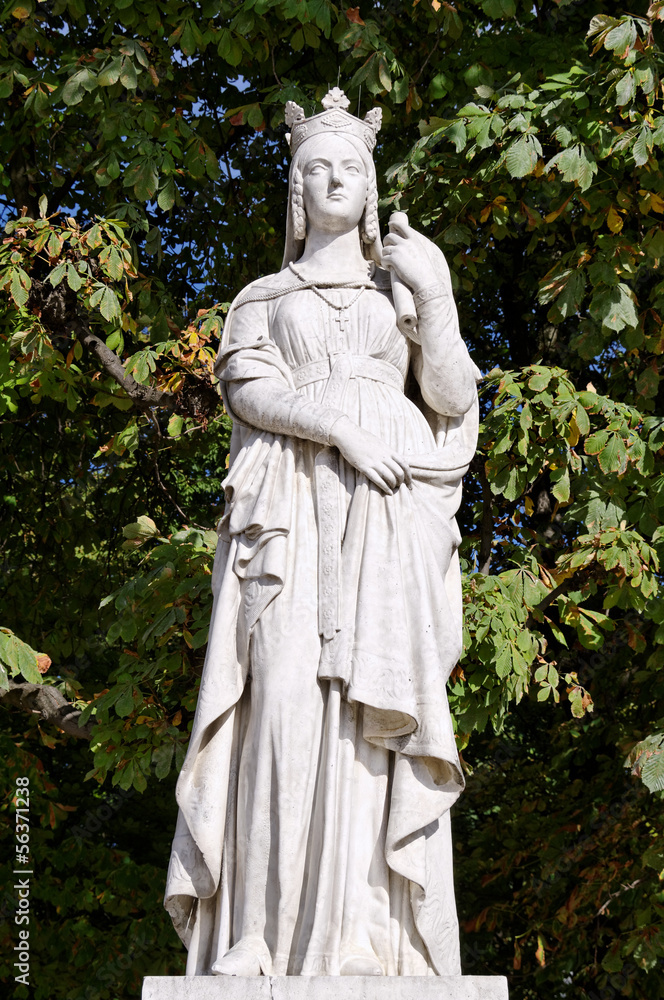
(297, 204)
(369, 221)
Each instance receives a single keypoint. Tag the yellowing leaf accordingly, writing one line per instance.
(552, 216)
(651, 202)
(43, 662)
(573, 436)
(614, 220)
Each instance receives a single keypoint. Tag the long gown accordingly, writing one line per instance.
(315, 798)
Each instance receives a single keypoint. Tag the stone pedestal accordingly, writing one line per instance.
(325, 988)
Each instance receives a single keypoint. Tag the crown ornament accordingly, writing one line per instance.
(334, 118)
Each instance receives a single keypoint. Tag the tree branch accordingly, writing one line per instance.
(486, 530)
(552, 596)
(49, 704)
(424, 64)
(21, 181)
(143, 395)
(157, 472)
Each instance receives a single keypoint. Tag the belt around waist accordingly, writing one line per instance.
(362, 366)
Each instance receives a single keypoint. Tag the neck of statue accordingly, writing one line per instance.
(333, 256)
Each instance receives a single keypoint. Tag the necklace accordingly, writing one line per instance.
(333, 305)
(343, 308)
(342, 316)
(364, 282)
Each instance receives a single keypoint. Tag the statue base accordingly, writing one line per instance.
(325, 988)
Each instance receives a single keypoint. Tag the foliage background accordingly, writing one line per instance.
(143, 181)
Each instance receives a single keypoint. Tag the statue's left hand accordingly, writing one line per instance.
(417, 261)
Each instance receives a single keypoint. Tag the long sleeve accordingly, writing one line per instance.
(268, 404)
(255, 382)
(442, 365)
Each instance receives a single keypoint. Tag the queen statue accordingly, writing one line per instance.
(313, 837)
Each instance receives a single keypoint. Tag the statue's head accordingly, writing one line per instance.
(332, 183)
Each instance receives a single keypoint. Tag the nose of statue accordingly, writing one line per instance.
(335, 181)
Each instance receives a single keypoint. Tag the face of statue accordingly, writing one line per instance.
(334, 186)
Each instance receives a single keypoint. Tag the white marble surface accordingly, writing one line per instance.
(314, 829)
(325, 988)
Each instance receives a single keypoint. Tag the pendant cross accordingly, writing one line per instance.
(341, 317)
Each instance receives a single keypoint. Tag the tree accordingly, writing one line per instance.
(144, 184)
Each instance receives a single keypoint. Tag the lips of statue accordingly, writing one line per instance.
(334, 186)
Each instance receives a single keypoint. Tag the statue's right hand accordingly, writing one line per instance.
(369, 455)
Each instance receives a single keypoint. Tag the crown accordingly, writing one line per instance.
(335, 118)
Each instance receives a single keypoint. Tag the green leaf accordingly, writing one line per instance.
(625, 89)
(74, 279)
(111, 73)
(456, 133)
(153, 241)
(199, 639)
(175, 425)
(20, 285)
(109, 305)
(229, 47)
(57, 274)
(621, 37)
(145, 179)
(613, 456)
(596, 442)
(568, 300)
(499, 8)
(614, 307)
(575, 164)
(647, 384)
(539, 381)
(125, 777)
(113, 265)
(654, 856)
(128, 76)
(522, 155)
(18, 657)
(143, 528)
(72, 92)
(254, 116)
(162, 758)
(125, 703)
(647, 759)
(188, 42)
(561, 485)
(166, 197)
(642, 146)
(582, 421)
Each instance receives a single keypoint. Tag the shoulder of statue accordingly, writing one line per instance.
(262, 289)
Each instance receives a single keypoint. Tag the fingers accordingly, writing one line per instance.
(374, 477)
(399, 224)
(391, 474)
(407, 474)
(389, 245)
(388, 474)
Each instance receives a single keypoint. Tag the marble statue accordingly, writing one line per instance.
(314, 830)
